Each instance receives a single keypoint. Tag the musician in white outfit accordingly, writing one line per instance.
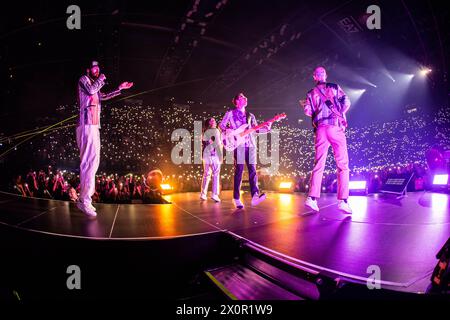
(88, 131)
(211, 160)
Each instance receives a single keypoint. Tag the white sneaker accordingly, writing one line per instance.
(312, 204)
(238, 204)
(92, 207)
(203, 197)
(257, 199)
(215, 197)
(86, 209)
(344, 206)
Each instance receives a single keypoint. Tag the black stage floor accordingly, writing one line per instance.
(401, 237)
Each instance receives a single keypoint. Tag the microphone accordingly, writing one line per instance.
(102, 77)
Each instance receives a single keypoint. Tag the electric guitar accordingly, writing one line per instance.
(234, 138)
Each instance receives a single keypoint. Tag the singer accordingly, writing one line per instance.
(88, 131)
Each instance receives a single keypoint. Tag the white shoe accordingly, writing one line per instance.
(92, 207)
(344, 206)
(312, 204)
(86, 209)
(215, 197)
(257, 199)
(203, 197)
(238, 204)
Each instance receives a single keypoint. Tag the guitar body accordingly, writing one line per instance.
(233, 138)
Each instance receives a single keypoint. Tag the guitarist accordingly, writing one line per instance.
(327, 105)
(245, 153)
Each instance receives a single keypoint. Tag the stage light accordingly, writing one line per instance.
(166, 187)
(440, 179)
(285, 185)
(424, 71)
(358, 187)
(387, 74)
(355, 94)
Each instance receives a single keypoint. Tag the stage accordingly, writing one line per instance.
(401, 237)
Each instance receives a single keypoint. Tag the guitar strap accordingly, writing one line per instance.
(231, 119)
(322, 96)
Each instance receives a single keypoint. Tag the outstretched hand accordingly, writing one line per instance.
(125, 85)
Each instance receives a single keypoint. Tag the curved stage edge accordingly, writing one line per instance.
(162, 249)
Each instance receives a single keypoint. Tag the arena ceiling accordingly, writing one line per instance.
(209, 50)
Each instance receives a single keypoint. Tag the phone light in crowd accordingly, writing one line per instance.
(358, 187)
(440, 179)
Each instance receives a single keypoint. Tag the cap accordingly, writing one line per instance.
(93, 64)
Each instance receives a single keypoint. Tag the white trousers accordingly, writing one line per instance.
(88, 140)
(211, 166)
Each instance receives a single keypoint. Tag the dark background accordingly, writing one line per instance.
(243, 47)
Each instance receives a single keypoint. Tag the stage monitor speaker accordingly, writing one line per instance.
(397, 184)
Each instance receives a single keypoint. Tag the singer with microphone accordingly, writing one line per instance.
(88, 131)
(327, 105)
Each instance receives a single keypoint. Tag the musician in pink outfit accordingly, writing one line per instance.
(327, 105)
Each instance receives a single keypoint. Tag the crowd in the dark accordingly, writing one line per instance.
(114, 188)
(64, 185)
